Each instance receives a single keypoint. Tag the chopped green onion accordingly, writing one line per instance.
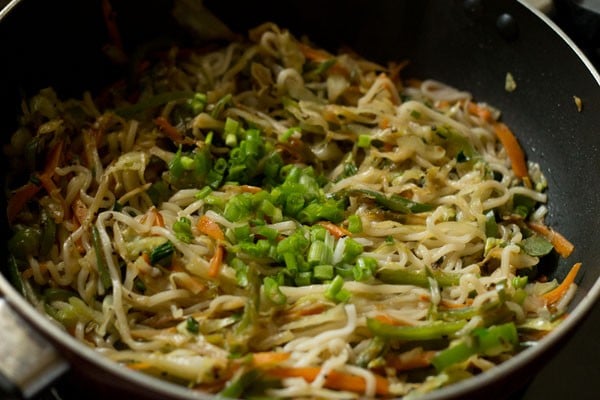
(202, 193)
(303, 278)
(273, 292)
(318, 253)
(220, 106)
(230, 131)
(197, 103)
(285, 136)
(269, 233)
(336, 292)
(352, 250)
(364, 269)
(536, 246)
(364, 141)
(354, 224)
(183, 230)
(192, 325)
(323, 272)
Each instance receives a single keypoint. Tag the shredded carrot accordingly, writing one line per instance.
(384, 123)
(452, 305)
(414, 83)
(318, 55)
(250, 189)
(509, 140)
(158, 218)
(210, 228)
(19, 198)
(80, 210)
(170, 130)
(386, 319)
(558, 292)
(560, 243)
(315, 309)
(513, 149)
(268, 358)
(25, 193)
(411, 360)
(314, 54)
(481, 111)
(139, 365)
(215, 262)
(334, 380)
(442, 104)
(111, 24)
(335, 230)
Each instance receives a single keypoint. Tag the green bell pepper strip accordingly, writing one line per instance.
(236, 388)
(434, 330)
(417, 278)
(100, 261)
(15, 275)
(395, 202)
(154, 101)
(490, 341)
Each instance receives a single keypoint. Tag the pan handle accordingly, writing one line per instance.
(28, 362)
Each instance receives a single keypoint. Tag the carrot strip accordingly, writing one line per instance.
(318, 55)
(560, 243)
(19, 198)
(210, 228)
(335, 230)
(513, 149)
(158, 218)
(25, 193)
(268, 358)
(451, 305)
(169, 130)
(111, 24)
(482, 112)
(509, 140)
(334, 380)
(139, 365)
(558, 292)
(80, 210)
(314, 54)
(386, 319)
(411, 360)
(215, 262)
(250, 189)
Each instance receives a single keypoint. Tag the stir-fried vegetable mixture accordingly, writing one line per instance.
(271, 219)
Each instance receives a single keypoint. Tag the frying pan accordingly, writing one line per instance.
(469, 44)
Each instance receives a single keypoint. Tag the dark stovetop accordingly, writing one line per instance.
(574, 372)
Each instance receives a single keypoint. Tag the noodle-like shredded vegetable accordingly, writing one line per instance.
(356, 233)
